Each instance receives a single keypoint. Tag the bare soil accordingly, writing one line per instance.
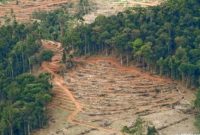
(112, 7)
(100, 96)
(113, 96)
(24, 9)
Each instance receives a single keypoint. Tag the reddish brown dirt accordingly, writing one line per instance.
(23, 11)
(100, 96)
(53, 67)
(113, 96)
(115, 62)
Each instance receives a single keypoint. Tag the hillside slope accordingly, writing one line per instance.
(100, 97)
(112, 96)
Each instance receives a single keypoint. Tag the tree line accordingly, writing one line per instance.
(163, 39)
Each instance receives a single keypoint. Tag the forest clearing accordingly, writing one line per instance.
(99, 67)
(100, 96)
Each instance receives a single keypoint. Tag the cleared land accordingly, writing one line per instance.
(100, 96)
(112, 7)
(24, 8)
(113, 96)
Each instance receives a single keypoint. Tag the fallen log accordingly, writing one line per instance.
(171, 124)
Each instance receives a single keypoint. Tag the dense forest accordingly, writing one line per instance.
(22, 96)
